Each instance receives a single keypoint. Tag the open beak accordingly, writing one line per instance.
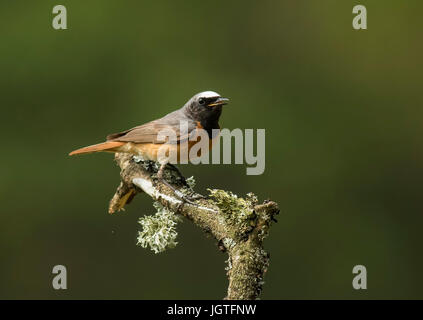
(219, 102)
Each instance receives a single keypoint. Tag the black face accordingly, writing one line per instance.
(206, 108)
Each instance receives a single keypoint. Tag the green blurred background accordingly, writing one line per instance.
(342, 111)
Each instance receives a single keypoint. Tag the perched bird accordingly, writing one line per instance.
(202, 111)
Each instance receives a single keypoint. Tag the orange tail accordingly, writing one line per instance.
(105, 146)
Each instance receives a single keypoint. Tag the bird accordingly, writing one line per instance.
(201, 112)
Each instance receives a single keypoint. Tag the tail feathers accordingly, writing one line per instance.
(105, 146)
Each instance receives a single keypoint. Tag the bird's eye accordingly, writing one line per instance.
(201, 101)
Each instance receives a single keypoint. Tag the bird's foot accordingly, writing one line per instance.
(180, 176)
(184, 197)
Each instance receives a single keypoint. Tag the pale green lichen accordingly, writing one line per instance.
(190, 182)
(252, 199)
(236, 211)
(246, 268)
(188, 189)
(234, 207)
(158, 231)
(146, 164)
(229, 243)
(228, 264)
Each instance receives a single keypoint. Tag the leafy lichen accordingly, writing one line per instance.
(146, 164)
(228, 264)
(188, 188)
(236, 211)
(232, 206)
(190, 182)
(229, 243)
(158, 231)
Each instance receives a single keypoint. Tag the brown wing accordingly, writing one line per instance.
(168, 126)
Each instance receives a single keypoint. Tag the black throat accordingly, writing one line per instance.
(211, 121)
(209, 125)
(208, 118)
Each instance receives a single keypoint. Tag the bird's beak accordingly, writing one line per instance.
(219, 102)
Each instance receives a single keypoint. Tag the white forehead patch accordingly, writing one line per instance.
(208, 94)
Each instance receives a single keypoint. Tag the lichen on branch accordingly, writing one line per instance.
(159, 230)
(238, 224)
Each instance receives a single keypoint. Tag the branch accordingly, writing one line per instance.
(238, 224)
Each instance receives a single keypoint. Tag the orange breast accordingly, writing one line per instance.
(150, 151)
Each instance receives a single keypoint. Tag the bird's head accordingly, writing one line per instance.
(205, 105)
